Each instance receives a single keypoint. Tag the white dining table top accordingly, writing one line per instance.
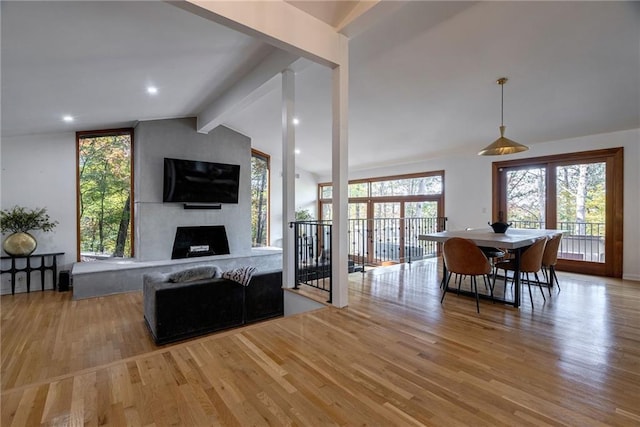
(514, 237)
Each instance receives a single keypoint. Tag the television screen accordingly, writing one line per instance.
(191, 181)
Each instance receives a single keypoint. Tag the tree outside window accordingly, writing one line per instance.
(259, 198)
(104, 194)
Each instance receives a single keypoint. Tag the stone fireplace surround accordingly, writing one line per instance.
(155, 221)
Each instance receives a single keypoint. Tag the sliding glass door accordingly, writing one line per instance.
(579, 193)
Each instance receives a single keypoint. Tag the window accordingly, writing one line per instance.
(411, 185)
(387, 214)
(104, 191)
(579, 193)
(259, 198)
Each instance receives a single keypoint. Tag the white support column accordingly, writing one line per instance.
(288, 177)
(339, 174)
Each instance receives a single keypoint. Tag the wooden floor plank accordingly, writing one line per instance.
(395, 356)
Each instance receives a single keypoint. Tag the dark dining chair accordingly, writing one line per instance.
(530, 262)
(463, 257)
(550, 259)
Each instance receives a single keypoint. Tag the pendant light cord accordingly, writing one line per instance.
(502, 104)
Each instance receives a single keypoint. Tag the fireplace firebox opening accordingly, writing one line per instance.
(200, 241)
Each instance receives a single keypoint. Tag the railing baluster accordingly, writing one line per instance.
(384, 236)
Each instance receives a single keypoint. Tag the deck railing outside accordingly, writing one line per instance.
(582, 241)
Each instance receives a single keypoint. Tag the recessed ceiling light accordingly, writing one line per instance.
(297, 151)
(296, 121)
(67, 118)
(152, 90)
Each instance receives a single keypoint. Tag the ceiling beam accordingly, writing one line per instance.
(243, 91)
(366, 14)
(275, 22)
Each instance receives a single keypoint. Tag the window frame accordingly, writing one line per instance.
(99, 133)
(614, 160)
(267, 158)
(397, 198)
(370, 203)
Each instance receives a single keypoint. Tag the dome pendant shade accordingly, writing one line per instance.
(502, 146)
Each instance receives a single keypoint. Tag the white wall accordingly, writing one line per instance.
(40, 171)
(468, 184)
(306, 191)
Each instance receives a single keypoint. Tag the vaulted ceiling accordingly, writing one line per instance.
(422, 74)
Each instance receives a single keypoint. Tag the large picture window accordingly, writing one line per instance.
(104, 192)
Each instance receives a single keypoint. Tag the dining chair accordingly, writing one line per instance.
(463, 257)
(550, 259)
(530, 262)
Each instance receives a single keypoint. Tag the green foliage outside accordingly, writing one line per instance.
(105, 199)
(526, 195)
(259, 199)
(580, 194)
(376, 190)
(426, 185)
(304, 215)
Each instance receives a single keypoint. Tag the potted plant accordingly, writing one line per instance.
(19, 221)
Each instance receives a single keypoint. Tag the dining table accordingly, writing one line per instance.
(515, 240)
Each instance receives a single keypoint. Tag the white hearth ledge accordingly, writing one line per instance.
(99, 278)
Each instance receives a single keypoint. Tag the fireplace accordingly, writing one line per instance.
(200, 241)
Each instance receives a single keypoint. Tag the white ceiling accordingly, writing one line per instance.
(422, 80)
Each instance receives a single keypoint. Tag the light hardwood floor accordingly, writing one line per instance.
(395, 356)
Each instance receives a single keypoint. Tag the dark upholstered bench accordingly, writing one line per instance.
(176, 311)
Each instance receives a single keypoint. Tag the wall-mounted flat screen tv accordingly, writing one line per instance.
(191, 181)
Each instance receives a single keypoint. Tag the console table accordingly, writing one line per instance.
(42, 268)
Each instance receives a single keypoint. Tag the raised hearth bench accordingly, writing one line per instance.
(98, 278)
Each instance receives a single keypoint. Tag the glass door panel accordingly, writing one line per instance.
(581, 211)
(526, 192)
(420, 218)
(358, 226)
(327, 211)
(386, 231)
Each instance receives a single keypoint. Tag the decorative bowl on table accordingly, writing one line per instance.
(500, 227)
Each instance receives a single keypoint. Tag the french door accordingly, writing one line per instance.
(392, 227)
(386, 215)
(579, 193)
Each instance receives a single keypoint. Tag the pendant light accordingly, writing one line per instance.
(502, 145)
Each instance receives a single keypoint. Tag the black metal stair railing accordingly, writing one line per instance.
(380, 241)
(371, 242)
(313, 254)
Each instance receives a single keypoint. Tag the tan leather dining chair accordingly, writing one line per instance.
(550, 259)
(530, 262)
(463, 257)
